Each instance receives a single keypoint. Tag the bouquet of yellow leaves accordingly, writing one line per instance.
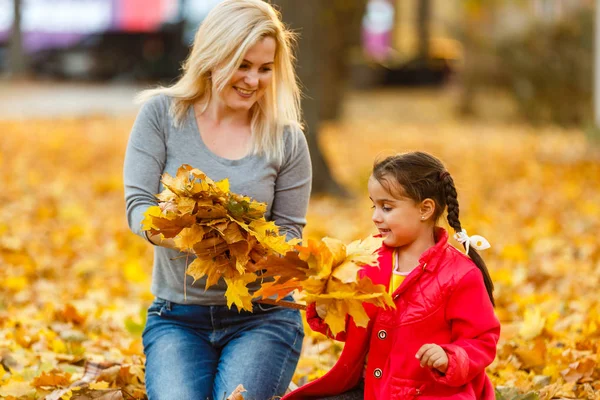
(224, 230)
(327, 273)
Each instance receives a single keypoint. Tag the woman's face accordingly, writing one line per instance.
(249, 83)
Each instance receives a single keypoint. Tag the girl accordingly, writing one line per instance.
(234, 113)
(443, 333)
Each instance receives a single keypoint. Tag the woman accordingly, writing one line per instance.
(234, 113)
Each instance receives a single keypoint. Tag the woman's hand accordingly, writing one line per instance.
(433, 356)
(160, 241)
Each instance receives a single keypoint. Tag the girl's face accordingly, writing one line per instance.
(250, 82)
(397, 218)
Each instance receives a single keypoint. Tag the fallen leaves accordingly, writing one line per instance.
(63, 240)
(237, 393)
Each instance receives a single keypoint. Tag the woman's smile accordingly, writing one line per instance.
(245, 93)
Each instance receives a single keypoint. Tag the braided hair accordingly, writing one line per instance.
(421, 176)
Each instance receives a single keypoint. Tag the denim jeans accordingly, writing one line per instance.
(196, 352)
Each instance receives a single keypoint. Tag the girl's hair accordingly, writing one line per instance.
(221, 42)
(421, 176)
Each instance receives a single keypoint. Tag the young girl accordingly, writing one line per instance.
(443, 333)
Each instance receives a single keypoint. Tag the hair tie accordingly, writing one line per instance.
(477, 241)
(443, 175)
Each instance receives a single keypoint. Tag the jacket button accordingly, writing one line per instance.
(382, 334)
(377, 373)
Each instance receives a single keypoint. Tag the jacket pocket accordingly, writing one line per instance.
(406, 389)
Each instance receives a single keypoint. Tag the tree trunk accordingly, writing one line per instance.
(18, 65)
(597, 66)
(304, 18)
(341, 22)
(423, 31)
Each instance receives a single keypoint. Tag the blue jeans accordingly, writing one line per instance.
(198, 352)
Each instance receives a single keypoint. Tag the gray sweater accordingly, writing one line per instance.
(156, 146)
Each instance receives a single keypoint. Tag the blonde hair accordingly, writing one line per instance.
(221, 42)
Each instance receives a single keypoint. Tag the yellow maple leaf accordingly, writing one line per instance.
(212, 267)
(99, 385)
(178, 184)
(532, 354)
(148, 221)
(232, 233)
(185, 205)
(336, 317)
(188, 237)
(169, 226)
(237, 293)
(267, 234)
(223, 185)
(533, 323)
(364, 252)
(16, 389)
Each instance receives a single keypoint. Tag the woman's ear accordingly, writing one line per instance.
(427, 209)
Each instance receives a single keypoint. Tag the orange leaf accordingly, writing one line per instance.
(53, 378)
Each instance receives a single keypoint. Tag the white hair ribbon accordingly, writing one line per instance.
(477, 241)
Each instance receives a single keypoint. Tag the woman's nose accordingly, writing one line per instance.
(251, 79)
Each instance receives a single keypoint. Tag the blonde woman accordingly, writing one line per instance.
(234, 113)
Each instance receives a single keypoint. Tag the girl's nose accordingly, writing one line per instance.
(376, 217)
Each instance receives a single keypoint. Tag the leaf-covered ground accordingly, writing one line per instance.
(75, 281)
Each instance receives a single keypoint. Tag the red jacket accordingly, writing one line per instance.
(442, 301)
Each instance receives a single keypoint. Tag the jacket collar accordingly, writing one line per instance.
(429, 259)
(428, 262)
(432, 254)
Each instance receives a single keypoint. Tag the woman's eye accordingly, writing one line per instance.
(244, 66)
(266, 69)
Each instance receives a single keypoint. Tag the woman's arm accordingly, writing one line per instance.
(475, 332)
(292, 187)
(145, 160)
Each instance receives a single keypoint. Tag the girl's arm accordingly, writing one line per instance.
(475, 332)
(317, 324)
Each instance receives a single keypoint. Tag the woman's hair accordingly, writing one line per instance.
(221, 42)
(421, 176)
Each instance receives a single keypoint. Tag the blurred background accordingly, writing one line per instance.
(501, 90)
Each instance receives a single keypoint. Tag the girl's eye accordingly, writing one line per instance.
(266, 69)
(244, 66)
(386, 208)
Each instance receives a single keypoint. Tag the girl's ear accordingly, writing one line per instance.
(427, 209)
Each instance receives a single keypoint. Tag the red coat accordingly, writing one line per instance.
(442, 301)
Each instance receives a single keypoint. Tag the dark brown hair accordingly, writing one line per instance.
(421, 176)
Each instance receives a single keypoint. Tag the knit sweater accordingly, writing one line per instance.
(157, 146)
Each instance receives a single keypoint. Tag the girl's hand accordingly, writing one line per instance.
(321, 310)
(433, 356)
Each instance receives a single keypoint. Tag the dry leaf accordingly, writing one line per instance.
(237, 393)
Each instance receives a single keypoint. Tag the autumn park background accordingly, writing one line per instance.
(502, 91)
